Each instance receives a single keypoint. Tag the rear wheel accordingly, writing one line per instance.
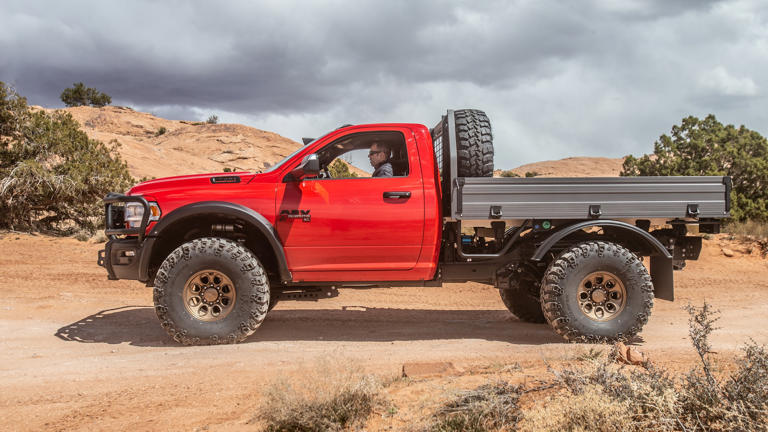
(474, 144)
(521, 301)
(597, 291)
(211, 291)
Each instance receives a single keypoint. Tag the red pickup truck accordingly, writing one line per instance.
(221, 249)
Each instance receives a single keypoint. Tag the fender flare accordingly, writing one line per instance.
(561, 234)
(221, 208)
(661, 261)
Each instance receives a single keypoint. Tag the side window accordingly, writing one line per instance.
(365, 155)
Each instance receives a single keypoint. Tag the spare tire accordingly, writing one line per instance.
(474, 144)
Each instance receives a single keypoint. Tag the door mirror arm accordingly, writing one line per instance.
(309, 167)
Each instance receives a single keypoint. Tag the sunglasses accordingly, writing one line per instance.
(373, 152)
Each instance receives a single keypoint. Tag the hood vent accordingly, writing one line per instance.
(225, 179)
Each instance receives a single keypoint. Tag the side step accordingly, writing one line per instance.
(307, 293)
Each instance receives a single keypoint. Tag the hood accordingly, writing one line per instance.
(190, 182)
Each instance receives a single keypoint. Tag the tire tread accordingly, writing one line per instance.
(474, 146)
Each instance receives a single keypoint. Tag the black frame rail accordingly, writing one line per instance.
(444, 142)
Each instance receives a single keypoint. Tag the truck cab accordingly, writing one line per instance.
(357, 227)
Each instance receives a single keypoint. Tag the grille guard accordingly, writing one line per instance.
(113, 233)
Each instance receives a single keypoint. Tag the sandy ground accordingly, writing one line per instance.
(79, 352)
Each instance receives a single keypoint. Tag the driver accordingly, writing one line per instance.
(379, 158)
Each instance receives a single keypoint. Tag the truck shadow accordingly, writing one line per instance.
(138, 326)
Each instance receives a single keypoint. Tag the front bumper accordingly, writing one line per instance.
(124, 256)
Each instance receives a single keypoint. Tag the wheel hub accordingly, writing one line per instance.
(602, 296)
(598, 296)
(209, 295)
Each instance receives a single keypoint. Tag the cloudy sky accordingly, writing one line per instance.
(558, 78)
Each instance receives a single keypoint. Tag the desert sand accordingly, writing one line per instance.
(79, 352)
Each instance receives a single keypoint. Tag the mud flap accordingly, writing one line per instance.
(663, 280)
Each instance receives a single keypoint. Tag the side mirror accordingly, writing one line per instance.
(308, 167)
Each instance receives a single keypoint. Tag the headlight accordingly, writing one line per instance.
(135, 211)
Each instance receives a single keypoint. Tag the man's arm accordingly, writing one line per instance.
(385, 170)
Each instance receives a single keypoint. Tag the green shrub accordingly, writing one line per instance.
(707, 147)
(52, 176)
(339, 169)
(80, 95)
(531, 173)
(213, 119)
(161, 131)
(14, 113)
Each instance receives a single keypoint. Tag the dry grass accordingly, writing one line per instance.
(591, 410)
(755, 229)
(598, 395)
(753, 233)
(492, 406)
(607, 396)
(330, 399)
(591, 355)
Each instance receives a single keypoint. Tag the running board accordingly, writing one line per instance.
(307, 294)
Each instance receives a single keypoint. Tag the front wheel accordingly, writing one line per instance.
(211, 291)
(597, 291)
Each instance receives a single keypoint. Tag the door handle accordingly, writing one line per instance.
(397, 195)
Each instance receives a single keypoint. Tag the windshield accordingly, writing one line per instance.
(275, 166)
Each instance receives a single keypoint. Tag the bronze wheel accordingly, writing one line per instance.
(209, 295)
(211, 291)
(602, 296)
(597, 291)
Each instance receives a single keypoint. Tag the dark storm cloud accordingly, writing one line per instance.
(243, 57)
(577, 78)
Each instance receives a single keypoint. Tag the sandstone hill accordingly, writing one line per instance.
(186, 147)
(571, 167)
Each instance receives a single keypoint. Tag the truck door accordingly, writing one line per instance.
(347, 224)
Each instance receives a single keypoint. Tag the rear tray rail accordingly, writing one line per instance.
(592, 198)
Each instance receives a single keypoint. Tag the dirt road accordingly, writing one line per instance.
(78, 352)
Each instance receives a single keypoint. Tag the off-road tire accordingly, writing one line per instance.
(561, 283)
(474, 144)
(522, 304)
(251, 295)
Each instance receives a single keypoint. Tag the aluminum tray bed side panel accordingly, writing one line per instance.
(571, 198)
